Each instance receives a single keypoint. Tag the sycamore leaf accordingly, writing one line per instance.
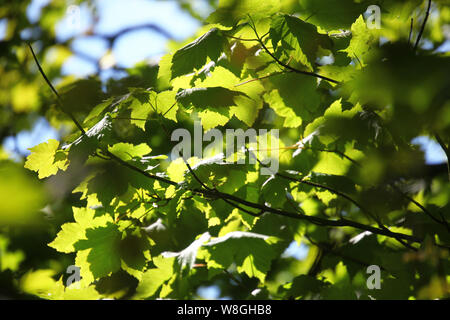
(304, 285)
(362, 42)
(340, 183)
(140, 108)
(42, 284)
(252, 253)
(213, 118)
(97, 111)
(332, 14)
(187, 256)
(212, 97)
(299, 37)
(154, 278)
(294, 98)
(229, 12)
(246, 106)
(338, 73)
(10, 259)
(74, 231)
(134, 252)
(127, 151)
(214, 100)
(101, 246)
(145, 103)
(108, 186)
(166, 105)
(97, 136)
(194, 55)
(45, 159)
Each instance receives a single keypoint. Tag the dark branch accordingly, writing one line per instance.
(411, 30)
(214, 193)
(446, 150)
(55, 92)
(423, 26)
(286, 65)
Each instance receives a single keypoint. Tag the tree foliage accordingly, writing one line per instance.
(347, 100)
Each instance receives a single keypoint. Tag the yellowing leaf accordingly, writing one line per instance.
(74, 231)
(127, 151)
(362, 42)
(45, 160)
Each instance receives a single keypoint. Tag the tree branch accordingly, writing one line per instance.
(214, 193)
(423, 26)
(286, 65)
(67, 112)
(446, 150)
(411, 30)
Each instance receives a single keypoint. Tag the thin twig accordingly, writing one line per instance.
(138, 170)
(263, 77)
(240, 39)
(211, 189)
(75, 121)
(423, 26)
(328, 249)
(411, 30)
(446, 150)
(214, 193)
(286, 65)
(363, 209)
(421, 207)
(195, 175)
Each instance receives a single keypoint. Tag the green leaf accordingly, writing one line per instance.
(248, 104)
(140, 107)
(332, 14)
(82, 95)
(294, 98)
(99, 135)
(362, 42)
(212, 97)
(304, 286)
(46, 160)
(134, 251)
(194, 55)
(300, 38)
(42, 284)
(154, 278)
(214, 100)
(100, 250)
(144, 103)
(166, 105)
(127, 151)
(251, 252)
(230, 12)
(72, 232)
(339, 183)
(107, 186)
(10, 259)
(186, 257)
(338, 73)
